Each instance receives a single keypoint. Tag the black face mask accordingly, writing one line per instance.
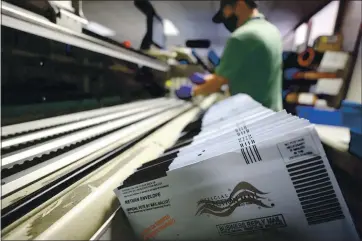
(230, 23)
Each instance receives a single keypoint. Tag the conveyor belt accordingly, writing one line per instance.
(59, 162)
(34, 193)
(67, 181)
(26, 185)
(71, 127)
(59, 120)
(29, 153)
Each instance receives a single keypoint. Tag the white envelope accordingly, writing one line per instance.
(291, 194)
(204, 152)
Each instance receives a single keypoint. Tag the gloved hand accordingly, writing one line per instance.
(197, 78)
(184, 92)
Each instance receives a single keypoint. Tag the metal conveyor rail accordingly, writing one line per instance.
(54, 164)
(39, 150)
(93, 193)
(71, 127)
(64, 119)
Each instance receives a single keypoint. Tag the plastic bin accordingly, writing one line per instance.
(352, 116)
(319, 116)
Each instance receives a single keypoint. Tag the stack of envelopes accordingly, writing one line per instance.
(250, 173)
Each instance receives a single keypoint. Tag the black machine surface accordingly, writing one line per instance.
(158, 36)
(42, 77)
(154, 35)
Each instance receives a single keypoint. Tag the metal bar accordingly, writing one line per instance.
(105, 144)
(18, 19)
(307, 17)
(352, 66)
(64, 119)
(343, 4)
(30, 153)
(105, 226)
(71, 127)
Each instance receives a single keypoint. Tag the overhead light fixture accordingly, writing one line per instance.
(169, 28)
(100, 29)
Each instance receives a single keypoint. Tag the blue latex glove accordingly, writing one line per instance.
(184, 92)
(197, 78)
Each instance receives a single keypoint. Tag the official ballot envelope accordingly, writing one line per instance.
(250, 174)
(289, 194)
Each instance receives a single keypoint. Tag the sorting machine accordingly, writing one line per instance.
(80, 112)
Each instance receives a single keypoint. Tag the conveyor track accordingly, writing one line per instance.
(28, 154)
(90, 156)
(71, 127)
(65, 119)
(31, 188)
(12, 184)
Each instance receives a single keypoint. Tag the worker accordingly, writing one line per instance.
(252, 59)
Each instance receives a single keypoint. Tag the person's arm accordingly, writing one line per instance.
(234, 59)
(212, 84)
(230, 63)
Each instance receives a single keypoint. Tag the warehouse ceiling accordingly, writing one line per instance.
(192, 18)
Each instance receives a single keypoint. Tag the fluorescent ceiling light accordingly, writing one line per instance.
(100, 29)
(169, 28)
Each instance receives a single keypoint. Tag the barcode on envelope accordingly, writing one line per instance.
(315, 190)
(247, 145)
(251, 154)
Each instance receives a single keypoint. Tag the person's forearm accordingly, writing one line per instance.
(213, 84)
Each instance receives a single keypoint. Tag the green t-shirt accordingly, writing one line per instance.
(252, 62)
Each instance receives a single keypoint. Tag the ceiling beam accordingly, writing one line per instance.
(306, 18)
(340, 16)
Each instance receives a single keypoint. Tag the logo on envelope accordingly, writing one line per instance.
(244, 194)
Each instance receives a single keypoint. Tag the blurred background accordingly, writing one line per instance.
(57, 71)
(115, 62)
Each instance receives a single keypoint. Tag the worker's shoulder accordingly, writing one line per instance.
(254, 32)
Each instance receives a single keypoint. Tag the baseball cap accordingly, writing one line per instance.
(218, 17)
